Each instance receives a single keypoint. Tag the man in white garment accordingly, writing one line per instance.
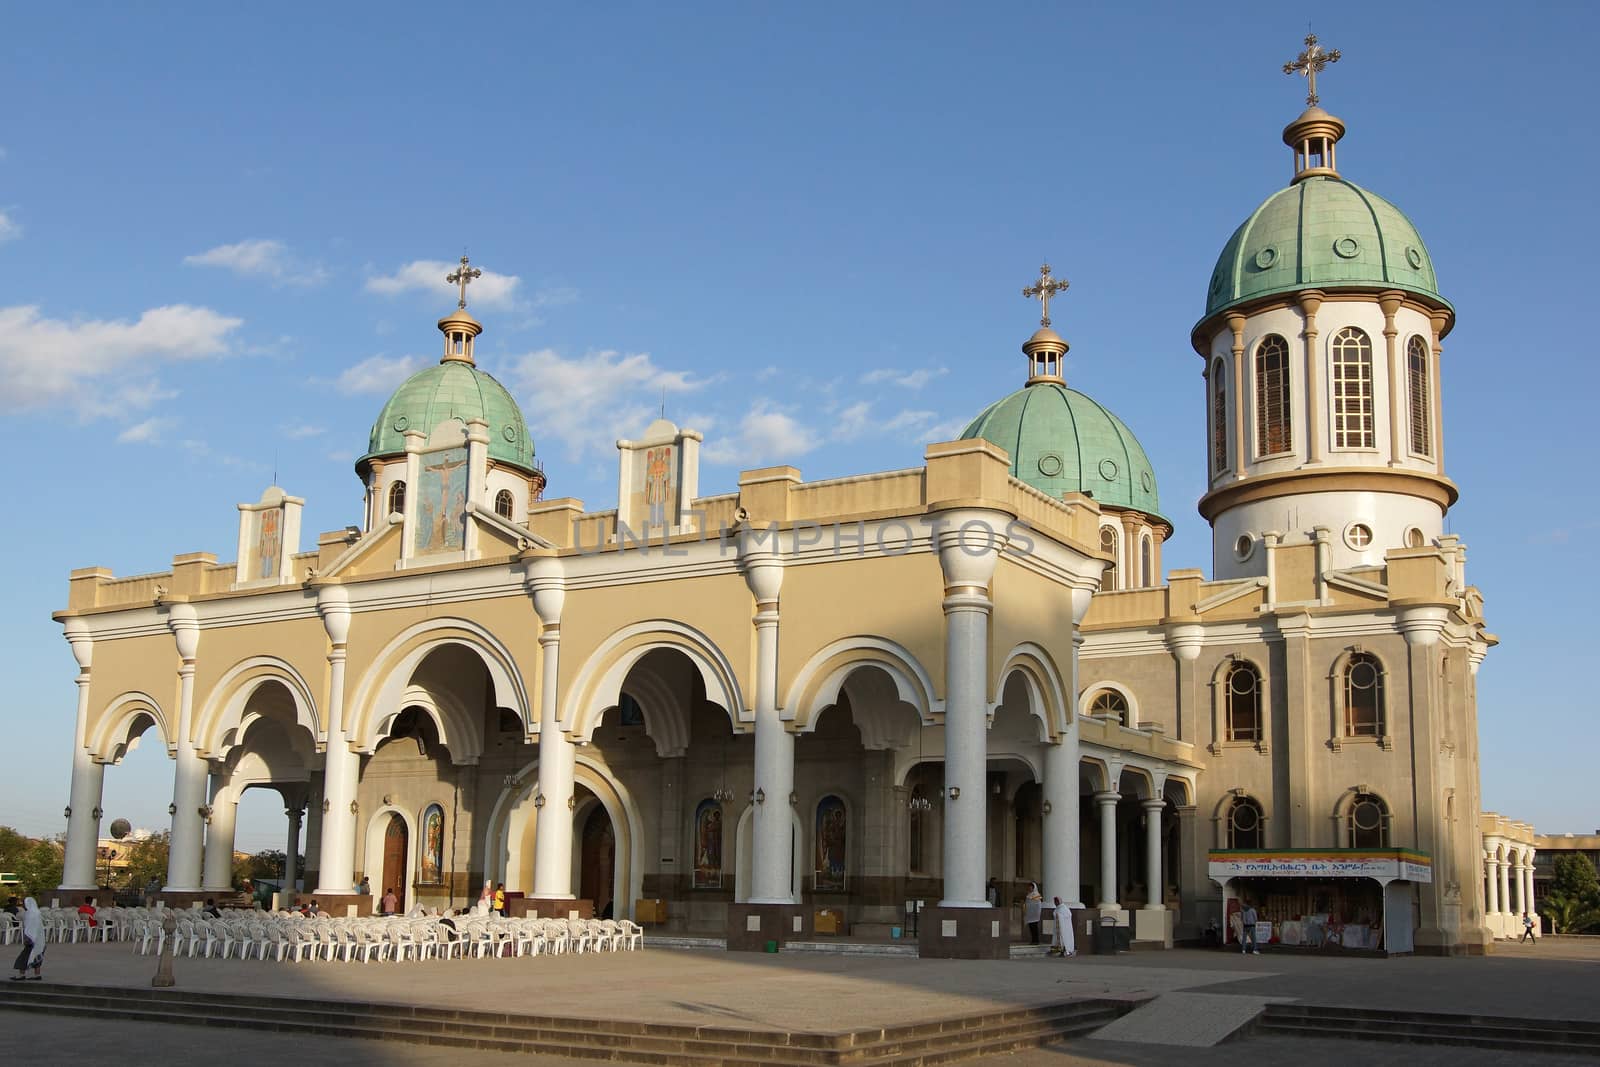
(1064, 943)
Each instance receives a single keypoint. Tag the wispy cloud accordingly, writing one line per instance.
(260, 259)
(10, 229)
(765, 434)
(378, 374)
(147, 432)
(912, 379)
(99, 366)
(589, 401)
(492, 290)
(299, 431)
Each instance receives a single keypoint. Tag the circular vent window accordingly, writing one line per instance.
(1050, 464)
(1108, 470)
(510, 434)
(1346, 247)
(1266, 257)
(400, 423)
(1414, 258)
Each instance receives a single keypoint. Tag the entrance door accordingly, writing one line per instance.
(394, 859)
(595, 879)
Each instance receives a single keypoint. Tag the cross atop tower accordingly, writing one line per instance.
(462, 276)
(1043, 290)
(1311, 62)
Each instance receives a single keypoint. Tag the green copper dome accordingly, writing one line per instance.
(1321, 233)
(452, 389)
(1060, 441)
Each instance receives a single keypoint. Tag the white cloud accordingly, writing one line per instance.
(853, 421)
(587, 402)
(259, 259)
(100, 366)
(765, 435)
(914, 379)
(491, 290)
(147, 432)
(378, 374)
(10, 229)
(299, 431)
(553, 297)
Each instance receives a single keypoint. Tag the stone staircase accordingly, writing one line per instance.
(912, 1045)
(1432, 1028)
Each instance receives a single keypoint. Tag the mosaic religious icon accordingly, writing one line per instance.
(433, 845)
(269, 543)
(658, 465)
(708, 845)
(831, 830)
(442, 502)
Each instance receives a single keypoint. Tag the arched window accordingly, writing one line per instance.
(1363, 696)
(1108, 543)
(503, 504)
(1110, 704)
(1420, 396)
(919, 806)
(1246, 824)
(1242, 695)
(1219, 418)
(1353, 419)
(1272, 397)
(832, 831)
(1369, 822)
(1146, 562)
(397, 498)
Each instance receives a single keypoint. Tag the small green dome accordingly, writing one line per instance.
(1060, 441)
(1322, 232)
(452, 389)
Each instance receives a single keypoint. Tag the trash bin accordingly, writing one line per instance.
(772, 946)
(1105, 936)
(895, 932)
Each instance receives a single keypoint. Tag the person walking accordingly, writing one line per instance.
(1527, 929)
(1247, 930)
(1032, 906)
(32, 954)
(1065, 941)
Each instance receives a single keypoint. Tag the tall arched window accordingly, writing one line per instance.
(1219, 418)
(919, 806)
(1242, 696)
(1110, 704)
(1246, 823)
(1353, 418)
(1363, 696)
(1272, 397)
(397, 498)
(1420, 397)
(1369, 821)
(1146, 562)
(503, 504)
(1108, 543)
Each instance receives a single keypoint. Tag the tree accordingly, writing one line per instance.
(147, 859)
(12, 847)
(1573, 904)
(39, 869)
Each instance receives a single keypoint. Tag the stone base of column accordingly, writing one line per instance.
(1153, 926)
(179, 899)
(752, 926)
(549, 908)
(963, 934)
(336, 904)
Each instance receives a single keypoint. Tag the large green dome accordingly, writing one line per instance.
(1061, 441)
(452, 389)
(1322, 232)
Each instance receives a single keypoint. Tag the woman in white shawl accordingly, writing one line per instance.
(32, 954)
(485, 899)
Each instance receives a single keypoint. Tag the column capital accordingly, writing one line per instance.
(547, 585)
(185, 627)
(1153, 803)
(1105, 797)
(81, 639)
(333, 604)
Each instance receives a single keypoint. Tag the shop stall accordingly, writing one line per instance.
(1340, 899)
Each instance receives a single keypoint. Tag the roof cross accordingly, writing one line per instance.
(1310, 62)
(1043, 290)
(461, 276)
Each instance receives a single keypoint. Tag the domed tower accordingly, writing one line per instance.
(1321, 340)
(452, 404)
(1061, 441)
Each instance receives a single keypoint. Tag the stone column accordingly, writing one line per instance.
(1422, 626)
(189, 774)
(1155, 882)
(220, 836)
(1527, 877)
(88, 777)
(967, 555)
(1398, 395)
(772, 827)
(1522, 884)
(291, 861)
(1107, 801)
(1185, 642)
(558, 756)
(1505, 887)
(1491, 868)
(336, 861)
(1192, 872)
(1316, 414)
(1061, 842)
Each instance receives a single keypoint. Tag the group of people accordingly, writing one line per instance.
(1062, 942)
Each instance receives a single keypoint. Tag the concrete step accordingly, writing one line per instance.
(1376, 1024)
(853, 948)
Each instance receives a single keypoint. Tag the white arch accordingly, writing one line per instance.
(666, 719)
(912, 682)
(1050, 703)
(457, 732)
(223, 720)
(1086, 698)
(115, 737)
(606, 668)
(376, 826)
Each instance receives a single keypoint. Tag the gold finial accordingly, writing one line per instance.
(461, 276)
(1311, 62)
(1043, 290)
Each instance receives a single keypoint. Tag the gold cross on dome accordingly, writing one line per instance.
(1310, 62)
(461, 276)
(1043, 290)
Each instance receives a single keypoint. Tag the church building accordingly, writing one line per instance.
(659, 709)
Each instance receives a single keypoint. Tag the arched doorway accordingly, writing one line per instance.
(394, 858)
(599, 862)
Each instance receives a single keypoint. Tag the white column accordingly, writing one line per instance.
(1522, 884)
(336, 861)
(88, 777)
(1108, 848)
(1491, 868)
(1060, 843)
(291, 854)
(220, 836)
(552, 852)
(772, 830)
(1155, 883)
(189, 774)
(1505, 885)
(967, 555)
(1527, 877)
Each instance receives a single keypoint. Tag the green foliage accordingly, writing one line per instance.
(39, 870)
(12, 847)
(147, 859)
(1573, 905)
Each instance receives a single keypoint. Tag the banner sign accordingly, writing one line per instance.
(1383, 865)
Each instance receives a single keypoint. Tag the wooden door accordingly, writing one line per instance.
(394, 860)
(599, 861)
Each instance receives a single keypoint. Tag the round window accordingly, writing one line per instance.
(1414, 538)
(1148, 482)
(1243, 547)
(1346, 247)
(1367, 815)
(1050, 464)
(1245, 817)
(1108, 469)
(510, 434)
(1414, 257)
(400, 423)
(1358, 535)
(1266, 257)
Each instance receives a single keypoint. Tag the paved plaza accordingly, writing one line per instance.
(821, 993)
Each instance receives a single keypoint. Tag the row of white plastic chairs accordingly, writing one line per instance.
(64, 924)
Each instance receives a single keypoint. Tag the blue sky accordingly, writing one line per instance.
(803, 226)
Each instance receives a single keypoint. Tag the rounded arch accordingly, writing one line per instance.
(1359, 697)
(225, 717)
(1361, 818)
(1102, 771)
(377, 826)
(123, 723)
(458, 733)
(817, 684)
(391, 671)
(1111, 543)
(608, 666)
(1086, 699)
(1239, 700)
(1046, 691)
(1241, 820)
(666, 717)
